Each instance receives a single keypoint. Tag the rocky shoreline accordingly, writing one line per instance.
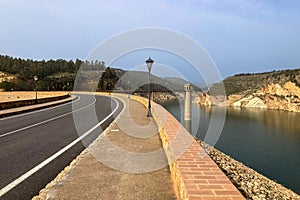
(250, 183)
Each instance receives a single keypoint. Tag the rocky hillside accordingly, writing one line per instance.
(249, 83)
(273, 96)
(273, 90)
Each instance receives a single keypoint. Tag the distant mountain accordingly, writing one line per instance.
(181, 82)
(176, 80)
(139, 79)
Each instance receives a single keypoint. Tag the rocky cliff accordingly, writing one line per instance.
(250, 83)
(272, 90)
(207, 100)
(203, 99)
(272, 96)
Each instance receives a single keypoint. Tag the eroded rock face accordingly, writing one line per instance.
(256, 103)
(250, 102)
(275, 89)
(242, 102)
(233, 98)
(293, 89)
(289, 89)
(204, 99)
(273, 96)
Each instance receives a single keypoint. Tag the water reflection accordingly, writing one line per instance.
(286, 121)
(283, 120)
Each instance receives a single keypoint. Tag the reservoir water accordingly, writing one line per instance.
(266, 140)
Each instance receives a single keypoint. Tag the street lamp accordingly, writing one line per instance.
(128, 89)
(149, 63)
(36, 79)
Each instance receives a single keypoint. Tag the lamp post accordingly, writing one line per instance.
(109, 88)
(128, 89)
(36, 78)
(149, 63)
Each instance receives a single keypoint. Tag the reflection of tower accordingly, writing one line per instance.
(187, 106)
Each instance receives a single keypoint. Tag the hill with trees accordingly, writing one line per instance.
(61, 75)
(52, 74)
(247, 83)
(279, 90)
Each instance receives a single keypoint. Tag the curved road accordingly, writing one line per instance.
(36, 146)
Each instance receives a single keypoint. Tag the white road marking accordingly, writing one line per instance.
(54, 156)
(40, 110)
(43, 122)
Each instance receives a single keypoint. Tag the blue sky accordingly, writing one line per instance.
(239, 35)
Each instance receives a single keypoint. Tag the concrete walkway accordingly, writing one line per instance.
(126, 162)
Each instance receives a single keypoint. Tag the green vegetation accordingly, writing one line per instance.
(89, 75)
(108, 80)
(52, 74)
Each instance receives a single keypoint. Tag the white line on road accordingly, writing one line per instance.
(54, 156)
(43, 122)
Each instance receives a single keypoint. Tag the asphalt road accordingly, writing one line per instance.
(36, 146)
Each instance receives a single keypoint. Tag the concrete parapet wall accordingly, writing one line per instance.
(194, 174)
(15, 104)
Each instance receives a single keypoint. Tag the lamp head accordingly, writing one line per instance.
(149, 63)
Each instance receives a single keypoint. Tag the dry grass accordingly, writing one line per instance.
(16, 96)
(6, 77)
